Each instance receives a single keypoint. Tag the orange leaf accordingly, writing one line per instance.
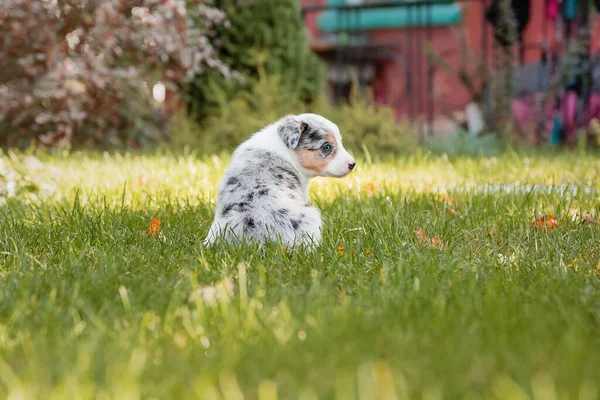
(545, 223)
(445, 198)
(435, 241)
(341, 250)
(141, 180)
(154, 228)
(368, 252)
(450, 210)
(422, 236)
(370, 188)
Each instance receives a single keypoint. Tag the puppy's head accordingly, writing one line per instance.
(317, 144)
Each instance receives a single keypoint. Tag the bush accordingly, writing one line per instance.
(231, 121)
(266, 37)
(371, 128)
(364, 126)
(81, 71)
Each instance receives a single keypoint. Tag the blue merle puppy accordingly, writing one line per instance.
(263, 195)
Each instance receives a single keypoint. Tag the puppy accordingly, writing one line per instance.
(263, 195)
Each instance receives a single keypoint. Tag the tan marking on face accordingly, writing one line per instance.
(313, 160)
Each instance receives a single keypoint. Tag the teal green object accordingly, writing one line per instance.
(556, 128)
(570, 9)
(390, 17)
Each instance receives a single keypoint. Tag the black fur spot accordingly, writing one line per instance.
(263, 192)
(290, 175)
(242, 206)
(290, 131)
(283, 211)
(227, 208)
(233, 181)
(249, 222)
(311, 140)
(313, 135)
(250, 196)
(279, 177)
(295, 223)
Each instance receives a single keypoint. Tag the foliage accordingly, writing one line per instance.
(233, 120)
(364, 126)
(263, 37)
(76, 71)
(371, 128)
(404, 299)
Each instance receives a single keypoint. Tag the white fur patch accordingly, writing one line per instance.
(263, 195)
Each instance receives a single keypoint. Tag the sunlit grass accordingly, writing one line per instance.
(92, 307)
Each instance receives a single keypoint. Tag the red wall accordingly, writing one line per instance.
(449, 93)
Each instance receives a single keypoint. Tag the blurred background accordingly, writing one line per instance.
(463, 76)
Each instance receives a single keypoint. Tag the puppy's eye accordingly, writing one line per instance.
(326, 148)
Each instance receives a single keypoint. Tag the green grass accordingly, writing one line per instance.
(91, 307)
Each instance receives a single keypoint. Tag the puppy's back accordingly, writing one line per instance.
(262, 196)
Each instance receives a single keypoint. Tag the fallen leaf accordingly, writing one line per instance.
(545, 223)
(154, 228)
(589, 219)
(585, 218)
(422, 236)
(142, 180)
(595, 271)
(370, 188)
(434, 241)
(341, 250)
(445, 198)
(450, 210)
(368, 252)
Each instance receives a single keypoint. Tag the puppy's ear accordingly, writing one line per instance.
(290, 131)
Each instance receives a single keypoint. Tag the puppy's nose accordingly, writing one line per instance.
(351, 165)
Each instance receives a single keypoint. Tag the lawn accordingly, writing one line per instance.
(432, 282)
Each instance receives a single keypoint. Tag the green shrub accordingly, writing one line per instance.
(75, 73)
(230, 122)
(364, 126)
(261, 36)
(371, 128)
